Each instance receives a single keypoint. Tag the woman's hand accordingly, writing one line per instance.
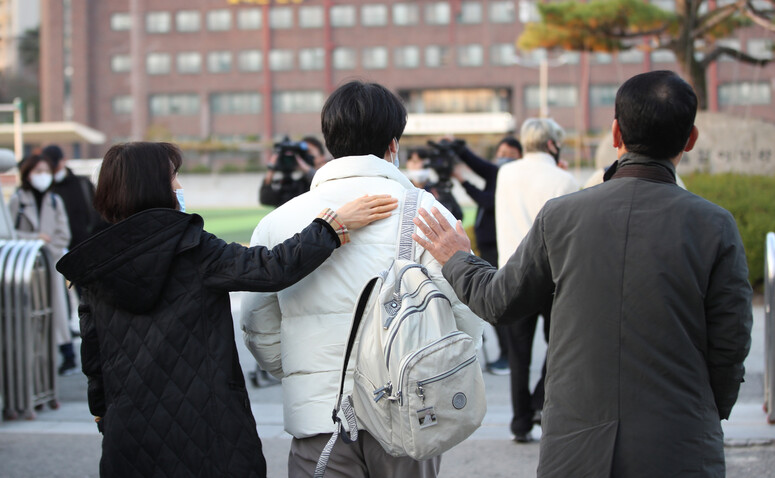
(441, 240)
(45, 237)
(365, 210)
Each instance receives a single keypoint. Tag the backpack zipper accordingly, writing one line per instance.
(409, 358)
(395, 303)
(442, 376)
(407, 313)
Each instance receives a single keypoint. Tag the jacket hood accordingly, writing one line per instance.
(128, 263)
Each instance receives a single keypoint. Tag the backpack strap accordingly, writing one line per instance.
(406, 245)
(346, 406)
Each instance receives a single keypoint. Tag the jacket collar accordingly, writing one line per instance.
(640, 161)
(539, 157)
(357, 167)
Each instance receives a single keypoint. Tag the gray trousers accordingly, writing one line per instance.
(364, 459)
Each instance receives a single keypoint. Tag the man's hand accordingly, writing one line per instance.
(442, 240)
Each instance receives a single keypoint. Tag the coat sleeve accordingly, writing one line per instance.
(234, 267)
(465, 319)
(91, 363)
(729, 319)
(517, 290)
(60, 237)
(260, 319)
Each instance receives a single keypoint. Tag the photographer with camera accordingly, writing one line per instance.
(507, 150)
(441, 158)
(290, 170)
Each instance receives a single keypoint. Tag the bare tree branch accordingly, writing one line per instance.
(734, 53)
(711, 19)
(760, 20)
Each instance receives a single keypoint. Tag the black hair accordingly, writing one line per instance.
(54, 154)
(362, 118)
(135, 177)
(511, 141)
(656, 112)
(26, 166)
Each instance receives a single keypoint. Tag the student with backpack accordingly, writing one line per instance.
(362, 124)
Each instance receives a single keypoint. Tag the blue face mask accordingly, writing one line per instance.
(181, 200)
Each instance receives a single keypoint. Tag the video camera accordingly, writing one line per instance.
(442, 157)
(287, 151)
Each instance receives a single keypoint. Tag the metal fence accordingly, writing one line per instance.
(27, 348)
(769, 327)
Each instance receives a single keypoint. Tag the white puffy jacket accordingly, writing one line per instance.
(300, 333)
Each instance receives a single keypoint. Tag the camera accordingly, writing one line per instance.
(287, 151)
(442, 157)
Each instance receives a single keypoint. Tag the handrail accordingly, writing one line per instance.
(769, 326)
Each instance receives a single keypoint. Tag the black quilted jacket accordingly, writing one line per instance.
(158, 340)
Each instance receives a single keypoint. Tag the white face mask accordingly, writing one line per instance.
(60, 175)
(420, 176)
(181, 200)
(395, 158)
(41, 181)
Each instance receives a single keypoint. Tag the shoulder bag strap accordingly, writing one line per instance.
(406, 245)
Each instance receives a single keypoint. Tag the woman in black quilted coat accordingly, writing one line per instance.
(165, 384)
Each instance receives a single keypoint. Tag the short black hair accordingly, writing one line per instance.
(135, 177)
(656, 112)
(511, 141)
(362, 118)
(54, 154)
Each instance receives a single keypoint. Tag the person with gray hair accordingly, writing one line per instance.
(522, 189)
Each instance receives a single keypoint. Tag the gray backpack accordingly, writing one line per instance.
(418, 386)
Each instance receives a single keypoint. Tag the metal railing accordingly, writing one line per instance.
(769, 326)
(27, 346)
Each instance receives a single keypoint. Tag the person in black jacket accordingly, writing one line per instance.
(165, 383)
(508, 149)
(77, 192)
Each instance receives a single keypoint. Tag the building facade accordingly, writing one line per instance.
(252, 70)
(16, 17)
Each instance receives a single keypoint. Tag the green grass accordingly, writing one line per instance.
(236, 225)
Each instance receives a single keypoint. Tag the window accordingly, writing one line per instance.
(571, 57)
(188, 21)
(601, 58)
(218, 20)
(312, 59)
(343, 16)
(760, 48)
(120, 22)
(311, 17)
(185, 104)
(280, 17)
(602, 95)
(528, 11)
(502, 54)
(470, 55)
(437, 13)
(250, 60)
(406, 57)
(667, 5)
(344, 58)
(436, 56)
(298, 101)
(281, 60)
(189, 62)
(662, 56)
(235, 103)
(470, 13)
(564, 96)
(375, 57)
(120, 63)
(219, 61)
(122, 105)
(633, 55)
(745, 93)
(157, 22)
(249, 19)
(374, 15)
(462, 100)
(503, 12)
(157, 63)
(406, 14)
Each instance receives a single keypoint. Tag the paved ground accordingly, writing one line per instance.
(65, 442)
